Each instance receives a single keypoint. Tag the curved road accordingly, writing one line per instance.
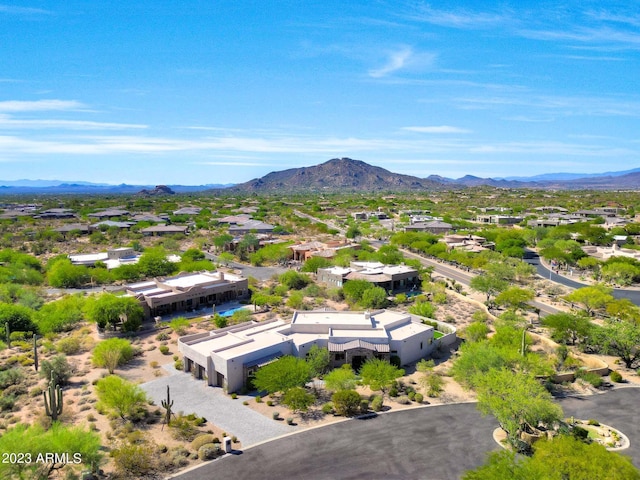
(433, 443)
(544, 272)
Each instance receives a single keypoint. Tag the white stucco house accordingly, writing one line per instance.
(229, 357)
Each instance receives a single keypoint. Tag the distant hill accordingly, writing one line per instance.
(54, 187)
(338, 174)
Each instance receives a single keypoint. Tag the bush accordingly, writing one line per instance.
(327, 408)
(258, 399)
(592, 378)
(593, 422)
(209, 451)
(178, 365)
(203, 439)
(162, 336)
(234, 395)
(7, 402)
(403, 400)
(13, 376)
(615, 377)
(364, 405)
(418, 398)
(164, 349)
(69, 345)
(393, 392)
(270, 403)
(377, 403)
(411, 395)
(58, 370)
(346, 402)
(276, 415)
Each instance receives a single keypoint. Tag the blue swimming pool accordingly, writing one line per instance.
(228, 313)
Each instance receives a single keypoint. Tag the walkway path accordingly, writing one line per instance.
(194, 396)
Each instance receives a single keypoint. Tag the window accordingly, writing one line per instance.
(420, 345)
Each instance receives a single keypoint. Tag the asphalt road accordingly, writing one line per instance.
(433, 443)
(544, 272)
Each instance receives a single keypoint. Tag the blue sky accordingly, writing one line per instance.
(196, 92)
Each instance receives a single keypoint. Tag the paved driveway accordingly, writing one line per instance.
(434, 443)
(194, 396)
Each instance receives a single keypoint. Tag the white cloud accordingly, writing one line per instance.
(397, 60)
(40, 105)
(437, 129)
(7, 122)
(13, 10)
(460, 18)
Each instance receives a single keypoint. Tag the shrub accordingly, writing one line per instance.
(203, 439)
(7, 402)
(403, 400)
(276, 415)
(270, 403)
(112, 353)
(164, 350)
(258, 399)
(57, 369)
(593, 422)
(418, 398)
(178, 365)
(615, 377)
(346, 402)
(162, 336)
(289, 420)
(412, 395)
(377, 403)
(592, 378)
(13, 376)
(234, 395)
(327, 408)
(364, 405)
(209, 451)
(69, 345)
(393, 392)
(154, 364)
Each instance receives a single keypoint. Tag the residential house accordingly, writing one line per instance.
(187, 292)
(393, 278)
(229, 357)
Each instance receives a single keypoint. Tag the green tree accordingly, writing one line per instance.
(591, 298)
(567, 328)
(514, 298)
(222, 241)
(294, 280)
(563, 457)
(112, 353)
(488, 284)
(318, 359)
(314, 263)
(59, 439)
(109, 309)
(618, 273)
(225, 258)
(354, 290)
(18, 318)
(475, 332)
(154, 263)
(621, 339)
(295, 300)
(375, 297)
(285, 373)
(353, 232)
(125, 398)
(62, 274)
(298, 399)
(60, 316)
(379, 374)
(517, 401)
(343, 378)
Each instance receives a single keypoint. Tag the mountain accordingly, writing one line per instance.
(54, 187)
(553, 177)
(338, 174)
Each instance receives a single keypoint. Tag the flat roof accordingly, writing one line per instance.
(331, 318)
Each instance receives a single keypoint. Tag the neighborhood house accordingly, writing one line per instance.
(229, 357)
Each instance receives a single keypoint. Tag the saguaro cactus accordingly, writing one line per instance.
(53, 405)
(35, 351)
(167, 404)
(7, 330)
